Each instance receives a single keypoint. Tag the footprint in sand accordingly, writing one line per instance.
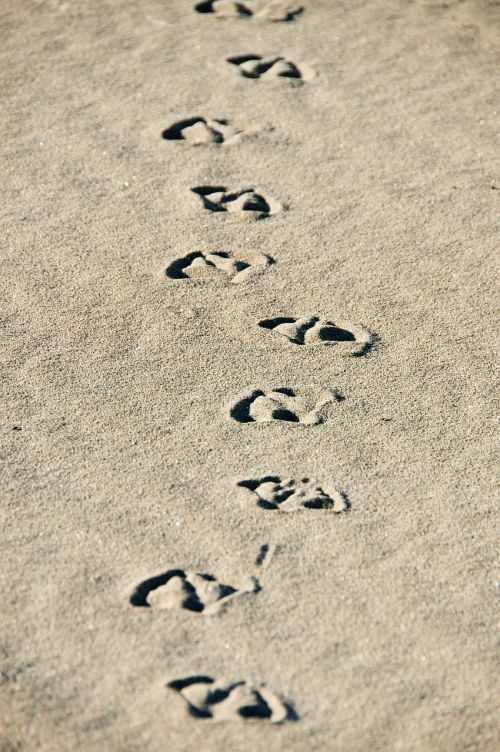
(271, 68)
(247, 203)
(198, 131)
(222, 700)
(262, 10)
(220, 266)
(292, 494)
(284, 405)
(352, 339)
(185, 590)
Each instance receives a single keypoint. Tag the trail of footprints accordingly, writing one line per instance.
(183, 591)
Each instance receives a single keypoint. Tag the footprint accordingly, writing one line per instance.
(267, 10)
(312, 330)
(246, 202)
(275, 66)
(219, 265)
(291, 494)
(231, 701)
(198, 131)
(300, 405)
(187, 590)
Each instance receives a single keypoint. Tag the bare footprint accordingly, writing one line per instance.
(198, 131)
(218, 266)
(247, 203)
(292, 494)
(347, 338)
(266, 10)
(223, 700)
(301, 405)
(273, 67)
(181, 589)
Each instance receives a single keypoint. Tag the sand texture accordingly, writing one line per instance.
(248, 469)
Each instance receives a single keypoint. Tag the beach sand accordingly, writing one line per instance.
(144, 410)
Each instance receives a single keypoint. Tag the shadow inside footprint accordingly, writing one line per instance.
(313, 331)
(270, 10)
(331, 333)
(274, 67)
(273, 323)
(174, 132)
(191, 591)
(282, 414)
(241, 410)
(140, 594)
(247, 202)
(205, 191)
(226, 266)
(293, 494)
(199, 131)
(283, 404)
(231, 701)
(176, 270)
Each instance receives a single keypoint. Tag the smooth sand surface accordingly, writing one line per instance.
(146, 433)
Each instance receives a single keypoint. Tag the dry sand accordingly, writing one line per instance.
(142, 411)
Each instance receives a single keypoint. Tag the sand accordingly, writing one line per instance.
(332, 469)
